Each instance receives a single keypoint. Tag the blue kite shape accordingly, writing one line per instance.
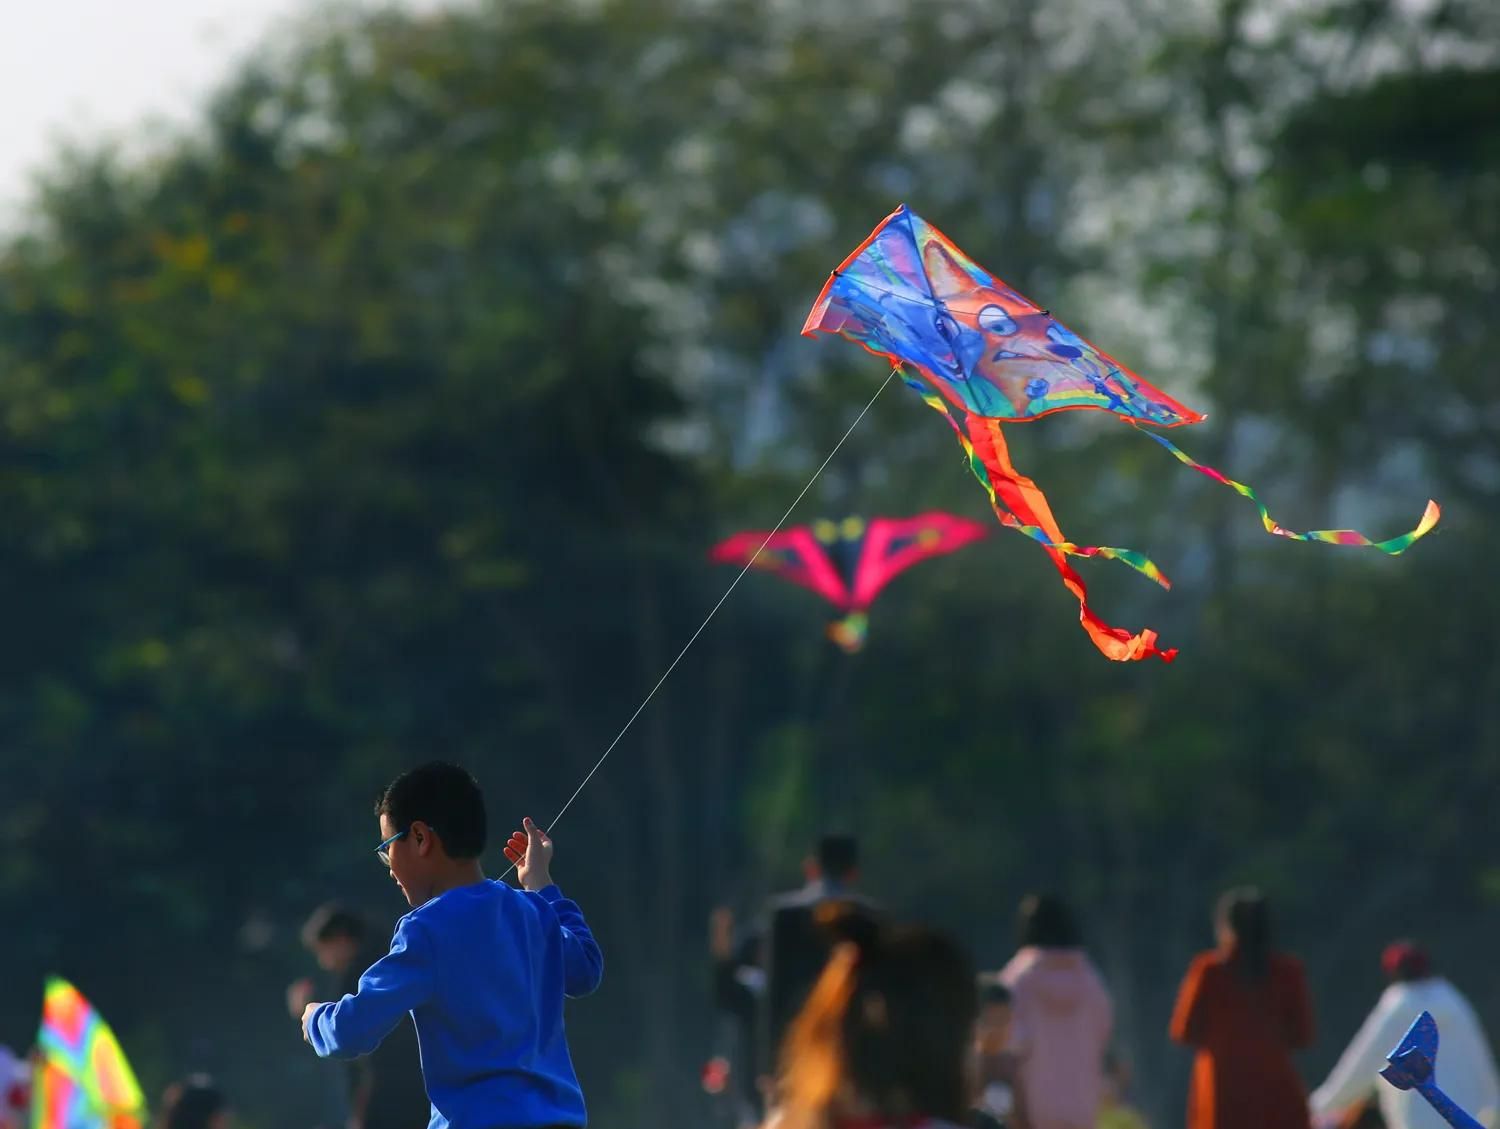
(1414, 1067)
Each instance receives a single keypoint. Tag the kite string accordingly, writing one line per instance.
(686, 647)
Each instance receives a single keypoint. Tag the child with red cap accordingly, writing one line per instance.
(1469, 1074)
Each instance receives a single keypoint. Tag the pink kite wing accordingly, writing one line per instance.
(793, 554)
(893, 545)
(849, 562)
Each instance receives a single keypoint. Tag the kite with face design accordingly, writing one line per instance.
(983, 355)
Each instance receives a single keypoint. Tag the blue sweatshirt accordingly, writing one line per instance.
(483, 970)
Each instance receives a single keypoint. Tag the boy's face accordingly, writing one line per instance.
(993, 1029)
(410, 858)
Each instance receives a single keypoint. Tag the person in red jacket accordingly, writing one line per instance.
(1245, 1008)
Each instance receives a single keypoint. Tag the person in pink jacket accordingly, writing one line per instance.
(1062, 1021)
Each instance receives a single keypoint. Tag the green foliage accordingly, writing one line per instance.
(391, 416)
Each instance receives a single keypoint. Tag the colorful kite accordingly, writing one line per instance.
(81, 1079)
(986, 355)
(849, 562)
(1413, 1066)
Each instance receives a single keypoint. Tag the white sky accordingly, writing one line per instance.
(78, 69)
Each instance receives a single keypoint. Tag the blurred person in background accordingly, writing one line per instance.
(739, 986)
(1116, 1112)
(796, 943)
(1245, 1008)
(1466, 1061)
(884, 1039)
(15, 1090)
(194, 1103)
(997, 1066)
(762, 979)
(384, 1089)
(1062, 1018)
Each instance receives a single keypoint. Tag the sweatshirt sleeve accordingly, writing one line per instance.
(393, 986)
(1353, 1079)
(583, 963)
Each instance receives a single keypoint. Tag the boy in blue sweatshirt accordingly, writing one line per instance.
(482, 967)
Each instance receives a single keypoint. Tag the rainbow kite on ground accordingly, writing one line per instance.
(82, 1079)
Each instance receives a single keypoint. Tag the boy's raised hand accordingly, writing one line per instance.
(531, 850)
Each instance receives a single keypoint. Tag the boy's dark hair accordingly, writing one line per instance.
(838, 856)
(992, 990)
(447, 799)
(1048, 923)
(331, 921)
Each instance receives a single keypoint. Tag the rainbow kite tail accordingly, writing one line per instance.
(980, 469)
(1395, 546)
(1020, 505)
(1014, 491)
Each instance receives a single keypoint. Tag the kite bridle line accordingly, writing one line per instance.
(707, 619)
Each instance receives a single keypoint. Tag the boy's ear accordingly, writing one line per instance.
(422, 837)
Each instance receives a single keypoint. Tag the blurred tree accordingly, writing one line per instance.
(390, 416)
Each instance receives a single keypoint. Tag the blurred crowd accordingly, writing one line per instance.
(846, 1019)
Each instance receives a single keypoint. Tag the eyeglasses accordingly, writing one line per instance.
(383, 852)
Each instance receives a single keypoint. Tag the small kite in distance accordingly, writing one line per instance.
(849, 562)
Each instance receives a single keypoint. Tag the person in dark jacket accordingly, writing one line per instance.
(384, 1089)
(763, 979)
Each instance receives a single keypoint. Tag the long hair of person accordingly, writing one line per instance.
(1248, 917)
(887, 1024)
